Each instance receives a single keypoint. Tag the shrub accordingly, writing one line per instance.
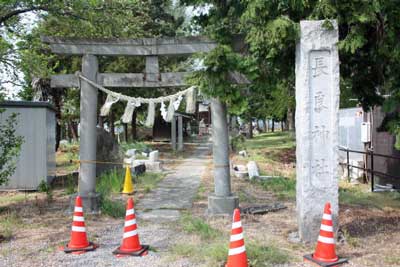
(10, 146)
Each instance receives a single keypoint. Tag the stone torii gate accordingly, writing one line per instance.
(151, 48)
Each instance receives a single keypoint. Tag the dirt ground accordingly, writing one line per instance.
(368, 236)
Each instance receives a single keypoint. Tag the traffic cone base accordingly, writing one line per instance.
(138, 253)
(309, 258)
(78, 251)
(128, 185)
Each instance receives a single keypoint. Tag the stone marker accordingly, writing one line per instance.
(153, 156)
(130, 153)
(107, 151)
(317, 106)
(252, 169)
(243, 153)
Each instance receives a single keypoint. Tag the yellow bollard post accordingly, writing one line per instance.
(128, 185)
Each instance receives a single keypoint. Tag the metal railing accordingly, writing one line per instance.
(369, 156)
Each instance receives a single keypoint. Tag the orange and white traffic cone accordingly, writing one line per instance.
(237, 256)
(78, 243)
(130, 242)
(325, 252)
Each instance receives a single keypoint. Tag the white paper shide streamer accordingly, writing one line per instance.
(151, 115)
(171, 110)
(130, 108)
(110, 100)
(174, 102)
(191, 100)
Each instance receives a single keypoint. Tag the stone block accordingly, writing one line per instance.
(154, 155)
(220, 205)
(130, 153)
(150, 166)
(252, 169)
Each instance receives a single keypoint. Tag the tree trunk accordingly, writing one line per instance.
(290, 119)
(273, 126)
(72, 129)
(282, 126)
(250, 129)
(265, 125)
(133, 126)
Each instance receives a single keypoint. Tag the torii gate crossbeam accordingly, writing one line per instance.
(220, 202)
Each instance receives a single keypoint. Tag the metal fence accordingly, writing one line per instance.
(369, 164)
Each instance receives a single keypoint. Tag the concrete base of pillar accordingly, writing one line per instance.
(90, 202)
(222, 205)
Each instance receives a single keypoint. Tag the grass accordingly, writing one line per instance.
(11, 199)
(200, 193)
(139, 146)
(392, 260)
(351, 240)
(8, 223)
(213, 254)
(216, 251)
(283, 188)
(259, 255)
(360, 195)
(112, 182)
(71, 186)
(197, 226)
(112, 208)
(276, 140)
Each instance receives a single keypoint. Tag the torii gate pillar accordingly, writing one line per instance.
(88, 135)
(222, 201)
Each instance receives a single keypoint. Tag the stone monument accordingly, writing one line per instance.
(317, 107)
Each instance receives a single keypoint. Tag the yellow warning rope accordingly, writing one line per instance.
(119, 163)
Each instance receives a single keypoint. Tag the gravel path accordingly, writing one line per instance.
(157, 213)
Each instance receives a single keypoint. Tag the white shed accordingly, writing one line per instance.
(37, 126)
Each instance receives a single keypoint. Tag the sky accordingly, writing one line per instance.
(29, 21)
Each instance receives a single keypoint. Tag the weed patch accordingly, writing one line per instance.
(139, 146)
(8, 224)
(361, 196)
(199, 227)
(266, 255)
(112, 208)
(111, 182)
(283, 188)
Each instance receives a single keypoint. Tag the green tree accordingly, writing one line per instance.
(10, 144)
(96, 19)
(368, 46)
